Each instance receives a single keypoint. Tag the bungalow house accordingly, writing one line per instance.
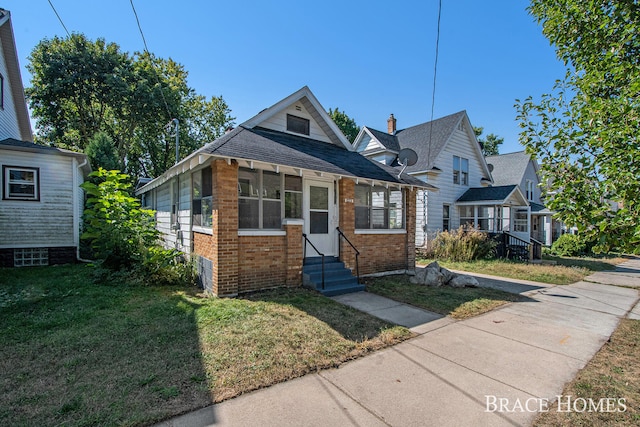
(450, 158)
(521, 169)
(41, 202)
(283, 199)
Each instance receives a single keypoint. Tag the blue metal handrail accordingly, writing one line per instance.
(315, 249)
(341, 234)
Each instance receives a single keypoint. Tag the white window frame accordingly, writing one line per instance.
(386, 208)
(460, 170)
(530, 190)
(6, 188)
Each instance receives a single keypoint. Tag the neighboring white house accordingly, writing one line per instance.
(450, 158)
(41, 202)
(521, 169)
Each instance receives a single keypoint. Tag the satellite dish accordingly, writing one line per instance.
(407, 157)
(490, 166)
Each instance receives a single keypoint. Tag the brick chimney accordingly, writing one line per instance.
(391, 125)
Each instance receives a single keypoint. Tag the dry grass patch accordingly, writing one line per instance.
(568, 270)
(614, 372)
(76, 353)
(459, 303)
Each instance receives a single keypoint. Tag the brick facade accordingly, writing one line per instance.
(379, 252)
(252, 262)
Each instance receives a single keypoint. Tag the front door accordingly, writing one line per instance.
(319, 215)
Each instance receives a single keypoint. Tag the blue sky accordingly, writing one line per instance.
(367, 58)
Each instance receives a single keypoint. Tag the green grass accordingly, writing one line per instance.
(76, 353)
(567, 270)
(459, 303)
(614, 372)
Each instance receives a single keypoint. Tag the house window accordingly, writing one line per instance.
(446, 217)
(520, 222)
(460, 170)
(529, 190)
(260, 201)
(467, 216)
(379, 207)
(201, 198)
(297, 124)
(489, 218)
(292, 196)
(29, 257)
(21, 183)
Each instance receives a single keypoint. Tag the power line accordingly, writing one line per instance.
(146, 49)
(435, 70)
(59, 19)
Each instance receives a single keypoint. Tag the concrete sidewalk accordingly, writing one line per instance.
(443, 376)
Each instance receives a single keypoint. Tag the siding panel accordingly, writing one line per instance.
(49, 221)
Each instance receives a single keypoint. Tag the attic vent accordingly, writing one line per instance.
(298, 108)
(297, 124)
(460, 126)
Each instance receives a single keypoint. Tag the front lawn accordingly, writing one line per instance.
(459, 303)
(567, 270)
(77, 353)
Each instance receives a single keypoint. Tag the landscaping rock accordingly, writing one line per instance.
(463, 281)
(429, 276)
(448, 275)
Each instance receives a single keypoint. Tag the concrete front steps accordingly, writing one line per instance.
(338, 279)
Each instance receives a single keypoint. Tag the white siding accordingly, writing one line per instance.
(530, 175)
(9, 127)
(460, 145)
(368, 143)
(181, 238)
(49, 221)
(279, 122)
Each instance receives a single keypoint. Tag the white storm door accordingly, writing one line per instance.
(319, 214)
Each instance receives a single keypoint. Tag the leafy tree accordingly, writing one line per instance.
(81, 87)
(78, 87)
(346, 124)
(489, 144)
(585, 133)
(102, 152)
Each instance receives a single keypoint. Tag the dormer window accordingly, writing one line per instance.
(297, 124)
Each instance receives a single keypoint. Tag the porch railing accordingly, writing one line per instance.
(306, 240)
(510, 246)
(357, 252)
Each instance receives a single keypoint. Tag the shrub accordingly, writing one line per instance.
(464, 244)
(123, 235)
(569, 245)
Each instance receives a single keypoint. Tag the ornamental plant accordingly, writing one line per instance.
(123, 235)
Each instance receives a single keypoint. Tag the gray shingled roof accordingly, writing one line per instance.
(389, 141)
(30, 146)
(427, 139)
(480, 194)
(269, 146)
(509, 168)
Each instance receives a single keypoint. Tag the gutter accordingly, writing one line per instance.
(76, 219)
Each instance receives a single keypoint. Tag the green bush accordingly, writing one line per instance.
(123, 235)
(569, 245)
(464, 244)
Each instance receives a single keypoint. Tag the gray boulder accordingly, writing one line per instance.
(463, 281)
(428, 276)
(448, 275)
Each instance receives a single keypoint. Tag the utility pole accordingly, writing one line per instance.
(177, 123)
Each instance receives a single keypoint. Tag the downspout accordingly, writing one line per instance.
(76, 219)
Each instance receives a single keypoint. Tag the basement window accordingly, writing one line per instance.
(29, 257)
(298, 124)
